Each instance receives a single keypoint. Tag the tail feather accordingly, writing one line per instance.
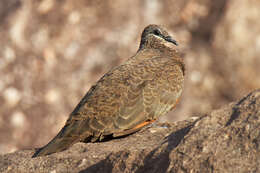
(56, 145)
(61, 142)
(71, 133)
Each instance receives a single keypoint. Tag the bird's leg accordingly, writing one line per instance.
(143, 124)
(135, 129)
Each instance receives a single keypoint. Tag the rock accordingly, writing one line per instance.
(225, 140)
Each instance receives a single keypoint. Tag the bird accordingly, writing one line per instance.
(128, 97)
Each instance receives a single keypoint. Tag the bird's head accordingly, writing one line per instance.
(154, 35)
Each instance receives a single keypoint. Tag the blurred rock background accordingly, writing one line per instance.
(52, 51)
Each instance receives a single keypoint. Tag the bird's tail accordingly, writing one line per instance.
(57, 144)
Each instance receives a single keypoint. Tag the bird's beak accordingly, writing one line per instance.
(169, 39)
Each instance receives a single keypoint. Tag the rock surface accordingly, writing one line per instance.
(225, 140)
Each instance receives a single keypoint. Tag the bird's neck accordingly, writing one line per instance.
(160, 48)
(161, 45)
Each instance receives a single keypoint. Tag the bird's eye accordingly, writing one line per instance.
(157, 32)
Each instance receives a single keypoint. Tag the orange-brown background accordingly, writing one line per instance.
(51, 52)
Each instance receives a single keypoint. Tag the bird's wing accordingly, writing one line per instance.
(154, 89)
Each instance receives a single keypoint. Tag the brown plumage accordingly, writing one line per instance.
(129, 96)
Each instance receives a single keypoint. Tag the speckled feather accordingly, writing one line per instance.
(145, 87)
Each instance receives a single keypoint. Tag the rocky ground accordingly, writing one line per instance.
(51, 52)
(225, 140)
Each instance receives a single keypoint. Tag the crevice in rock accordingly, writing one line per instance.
(233, 116)
(236, 110)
